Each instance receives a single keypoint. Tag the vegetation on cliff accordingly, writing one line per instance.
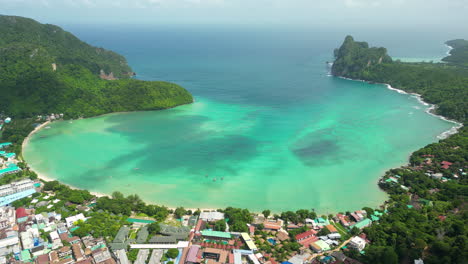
(354, 58)
(44, 69)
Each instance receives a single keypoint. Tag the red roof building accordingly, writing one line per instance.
(271, 226)
(21, 212)
(331, 228)
(251, 229)
(306, 242)
(307, 234)
(446, 164)
(199, 225)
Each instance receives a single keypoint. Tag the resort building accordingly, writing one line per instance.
(15, 191)
(12, 168)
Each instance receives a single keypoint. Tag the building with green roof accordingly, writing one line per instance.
(425, 202)
(9, 170)
(361, 224)
(324, 246)
(25, 255)
(141, 221)
(216, 234)
(5, 144)
(377, 213)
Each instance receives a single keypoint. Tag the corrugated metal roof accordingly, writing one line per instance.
(219, 234)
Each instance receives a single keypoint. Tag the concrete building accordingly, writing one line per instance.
(15, 191)
(72, 219)
(9, 239)
(357, 243)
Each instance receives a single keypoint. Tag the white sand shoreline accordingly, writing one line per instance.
(429, 110)
(45, 177)
(40, 175)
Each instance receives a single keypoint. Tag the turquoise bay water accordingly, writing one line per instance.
(269, 128)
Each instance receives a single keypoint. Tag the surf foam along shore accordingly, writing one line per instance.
(430, 108)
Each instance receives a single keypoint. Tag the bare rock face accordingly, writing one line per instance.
(105, 76)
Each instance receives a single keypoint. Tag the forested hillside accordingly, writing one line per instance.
(427, 209)
(442, 84)
(459, 53)
(44, 69)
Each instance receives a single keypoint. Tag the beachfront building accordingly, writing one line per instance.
(7, 155)
(12, 168)
(15, 191)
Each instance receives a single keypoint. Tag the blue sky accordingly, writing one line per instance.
(441, 13)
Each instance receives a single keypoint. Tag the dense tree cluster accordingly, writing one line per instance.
(100, 224)
(238, 219)
(220, 225)
(119, 204)
(65, 193)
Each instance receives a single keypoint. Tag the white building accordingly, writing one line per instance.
(72, 219)
(16, 190)
(357, 243)
(9, 240)
(211, 216)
